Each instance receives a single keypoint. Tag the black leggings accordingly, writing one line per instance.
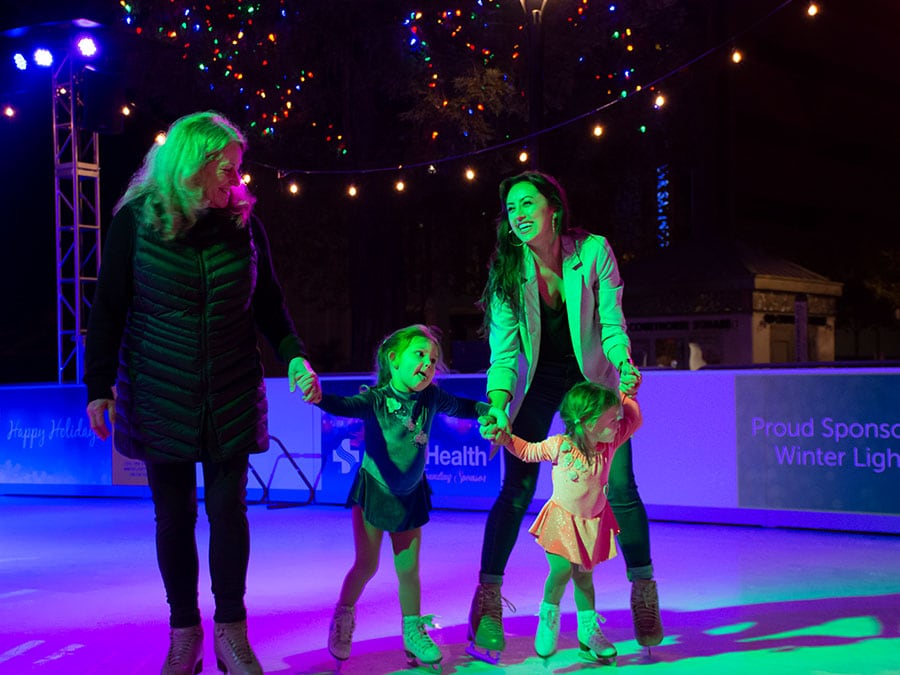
(174, 490)
(532, 423)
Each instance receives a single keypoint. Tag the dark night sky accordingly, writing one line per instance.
(813, 165)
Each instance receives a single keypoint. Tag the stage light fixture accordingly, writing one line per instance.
(20, 61)
(9, 111)
(87, 47)
(43, 57)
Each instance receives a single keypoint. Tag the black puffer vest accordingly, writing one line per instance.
(190, 382)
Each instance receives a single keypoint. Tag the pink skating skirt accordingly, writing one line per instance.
(583, 541)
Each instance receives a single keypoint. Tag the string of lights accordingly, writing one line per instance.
(228, 44)
(597, 130)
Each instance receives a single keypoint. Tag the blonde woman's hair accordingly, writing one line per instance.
(171, 199)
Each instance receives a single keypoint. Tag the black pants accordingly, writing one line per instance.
(532, 423)
(174, 490)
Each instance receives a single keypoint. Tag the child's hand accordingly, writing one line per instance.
(629, 378)
(501, 419)
(494, 432)
(301, 376)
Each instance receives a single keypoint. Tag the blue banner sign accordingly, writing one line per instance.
(46, 438)
(819, 442)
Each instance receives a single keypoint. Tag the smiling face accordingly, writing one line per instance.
(220, 174)
(413, 368)
(530, 215)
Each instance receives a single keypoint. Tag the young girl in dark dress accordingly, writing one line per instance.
(390, 492)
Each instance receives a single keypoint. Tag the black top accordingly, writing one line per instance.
(556, 340)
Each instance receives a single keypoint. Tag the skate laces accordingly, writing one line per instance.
(492, 603)
(420, 639)
(551, 615)
(239, 645)
(645, 606)
(343, 625)
(180, 646)
(593, 635)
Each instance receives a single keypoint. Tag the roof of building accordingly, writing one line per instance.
(719, 264)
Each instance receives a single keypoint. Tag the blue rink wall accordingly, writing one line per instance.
(813, 448)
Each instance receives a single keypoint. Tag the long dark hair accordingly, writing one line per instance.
(505, 266)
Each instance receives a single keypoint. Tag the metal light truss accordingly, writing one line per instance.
(76, 155)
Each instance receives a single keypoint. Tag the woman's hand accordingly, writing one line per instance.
(629, 378)
(302, 376)
(97, 412)
(495, 428)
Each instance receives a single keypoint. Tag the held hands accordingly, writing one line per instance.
(495, 427)
(629, 378)
(301, 376)
(97, 411)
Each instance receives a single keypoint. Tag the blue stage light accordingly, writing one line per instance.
(43, 57)
(87, 46)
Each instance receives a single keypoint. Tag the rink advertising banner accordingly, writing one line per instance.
(819, 442)
(47, 440)
(457, 465)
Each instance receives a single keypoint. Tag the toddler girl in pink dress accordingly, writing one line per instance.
(576, 527)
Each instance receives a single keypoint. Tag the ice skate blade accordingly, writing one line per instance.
(491, 656)
(338, 664)
(414, 661)
(588, 656)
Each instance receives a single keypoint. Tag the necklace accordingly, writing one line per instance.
(404, 412)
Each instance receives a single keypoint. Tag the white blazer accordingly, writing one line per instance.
(593, 291)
